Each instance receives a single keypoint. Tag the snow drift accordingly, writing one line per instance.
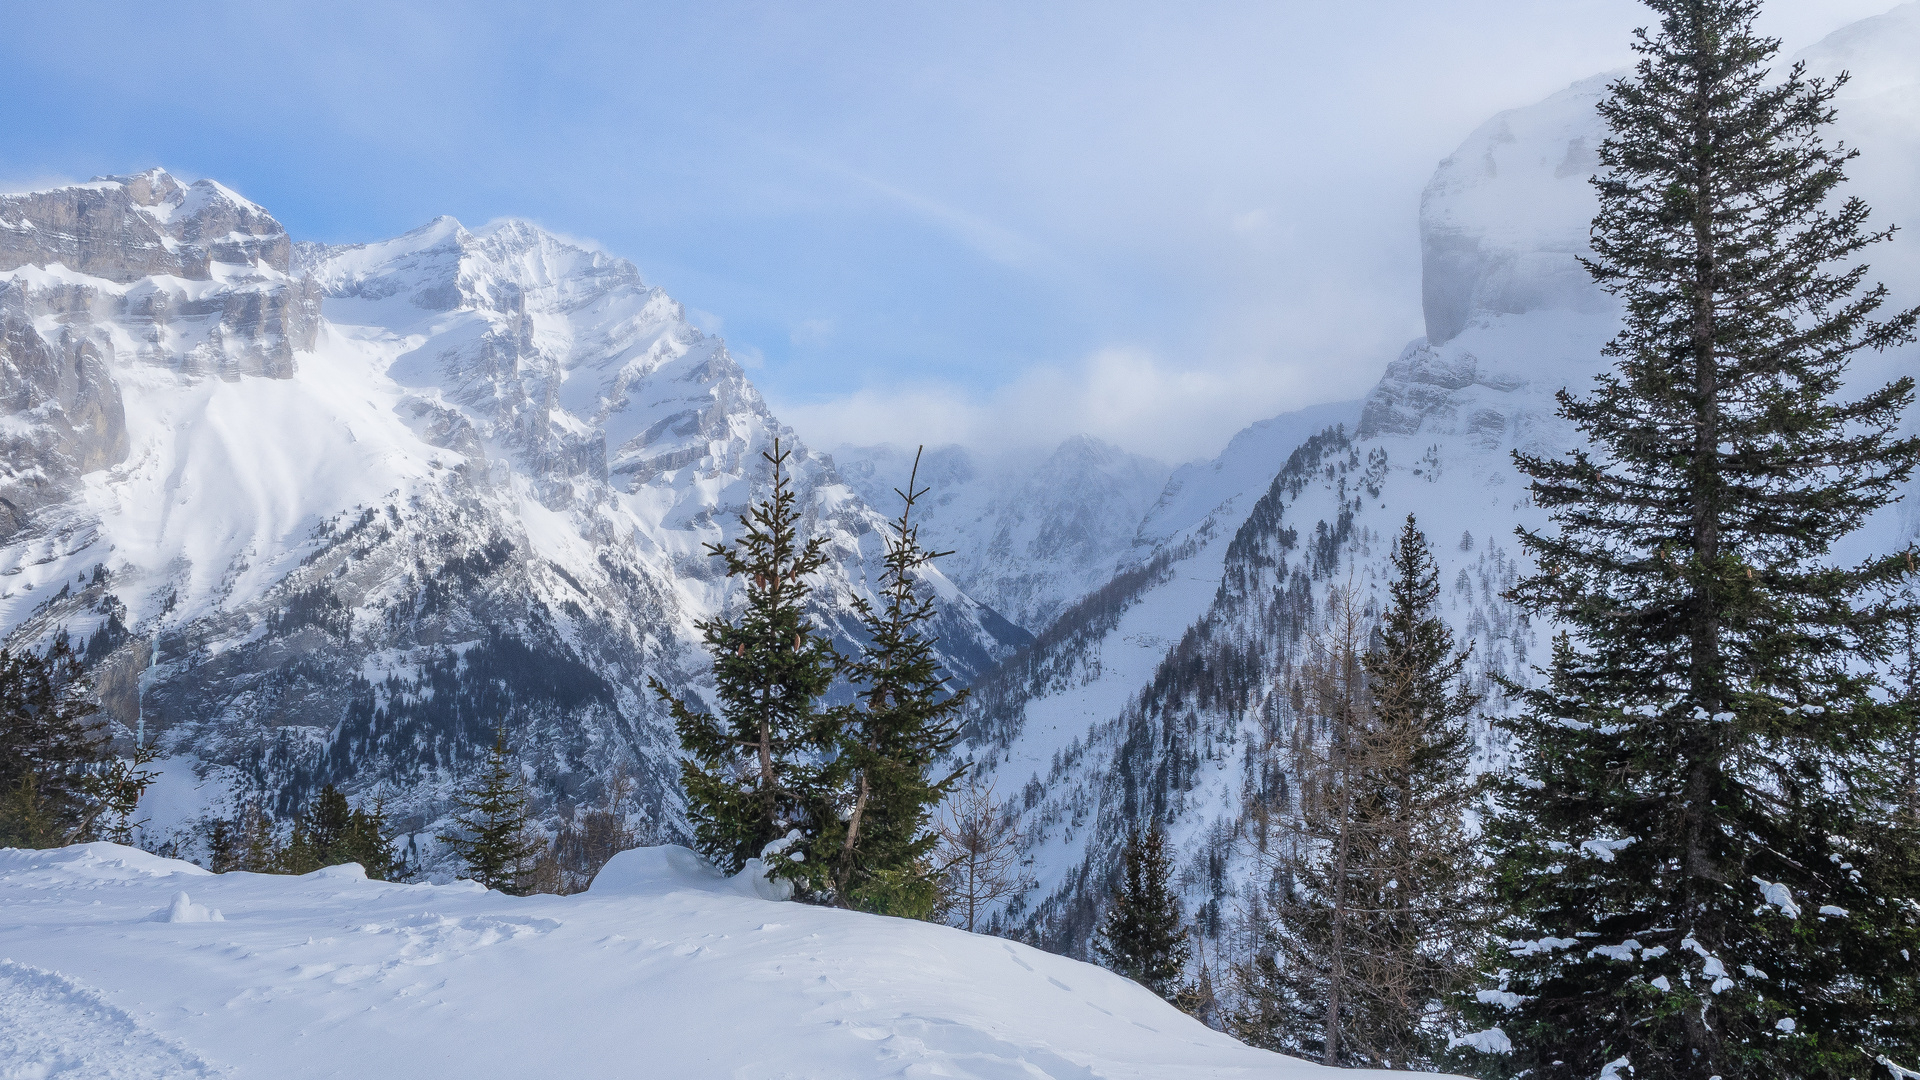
(663, 969)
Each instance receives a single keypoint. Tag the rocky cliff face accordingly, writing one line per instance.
(347, 549)
(1503, 219)
(141, 268)
(124, 228)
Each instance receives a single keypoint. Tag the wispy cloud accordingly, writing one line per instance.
(1126, 396)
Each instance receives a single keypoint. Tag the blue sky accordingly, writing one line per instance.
(1157, 221)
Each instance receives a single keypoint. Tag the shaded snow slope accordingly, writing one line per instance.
(1167, 694)
(1028, 536)
(662, 969)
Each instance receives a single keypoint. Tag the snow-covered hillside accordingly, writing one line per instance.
(1166, 693)
(120, 964)
(1028, 536)
(334, 514)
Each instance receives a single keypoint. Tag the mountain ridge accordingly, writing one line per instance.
(473, 490)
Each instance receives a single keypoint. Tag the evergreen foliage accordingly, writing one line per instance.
(332, 832)
(224, 851)
(491, 832)
(754, 774)
(60, 782)
(259, 853)
(1429, 878)
(879, 852)
(1143, 935)
(1382, 921)
(1695, 850)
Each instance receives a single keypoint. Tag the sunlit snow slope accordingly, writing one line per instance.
(121, 964)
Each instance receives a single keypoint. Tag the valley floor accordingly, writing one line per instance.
(663, 969)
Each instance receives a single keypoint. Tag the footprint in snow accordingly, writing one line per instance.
(55, 1028)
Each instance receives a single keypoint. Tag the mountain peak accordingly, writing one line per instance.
(123, 228)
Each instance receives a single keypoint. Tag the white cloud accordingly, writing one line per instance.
(1253, 221)
(1127, 396)
(811, 332)
(747, 356)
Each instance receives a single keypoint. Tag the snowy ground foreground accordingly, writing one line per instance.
(663, 969)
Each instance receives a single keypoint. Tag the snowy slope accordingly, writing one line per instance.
(1028, 537)
(662, 969)
(1172, 700)
(332, 515)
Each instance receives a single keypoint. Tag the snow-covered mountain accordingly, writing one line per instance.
(1028, 537)
(1165, 693)
(335, 514)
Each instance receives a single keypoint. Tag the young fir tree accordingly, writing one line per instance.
(225, 850)
(1143, 935)
(60, 782)
(754, 774)
(258, 850)
(1689, 848)
(491, 834)
(907, 719)
(333, 831)
(318, 833)
(1429, 877)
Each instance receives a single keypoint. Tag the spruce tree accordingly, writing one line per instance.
(1426, 876)
(1689, 847)
(60, 782)
(906, 720)
(1143, 935)
(318, 833)
(368, 840)
(224, 846)
(754, 773)
(490, 818)
(258, 851)
(1380, 920)
(332, 831)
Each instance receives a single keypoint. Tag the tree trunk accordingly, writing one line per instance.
(853, 833)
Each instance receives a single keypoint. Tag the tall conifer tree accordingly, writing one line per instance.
(753, 773)
(1688, 847)
(1381, 920)
(490, 819)
(1143, 935)
(906, 720)
(1428, 877)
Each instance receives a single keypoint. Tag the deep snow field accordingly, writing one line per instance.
(662, 969)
